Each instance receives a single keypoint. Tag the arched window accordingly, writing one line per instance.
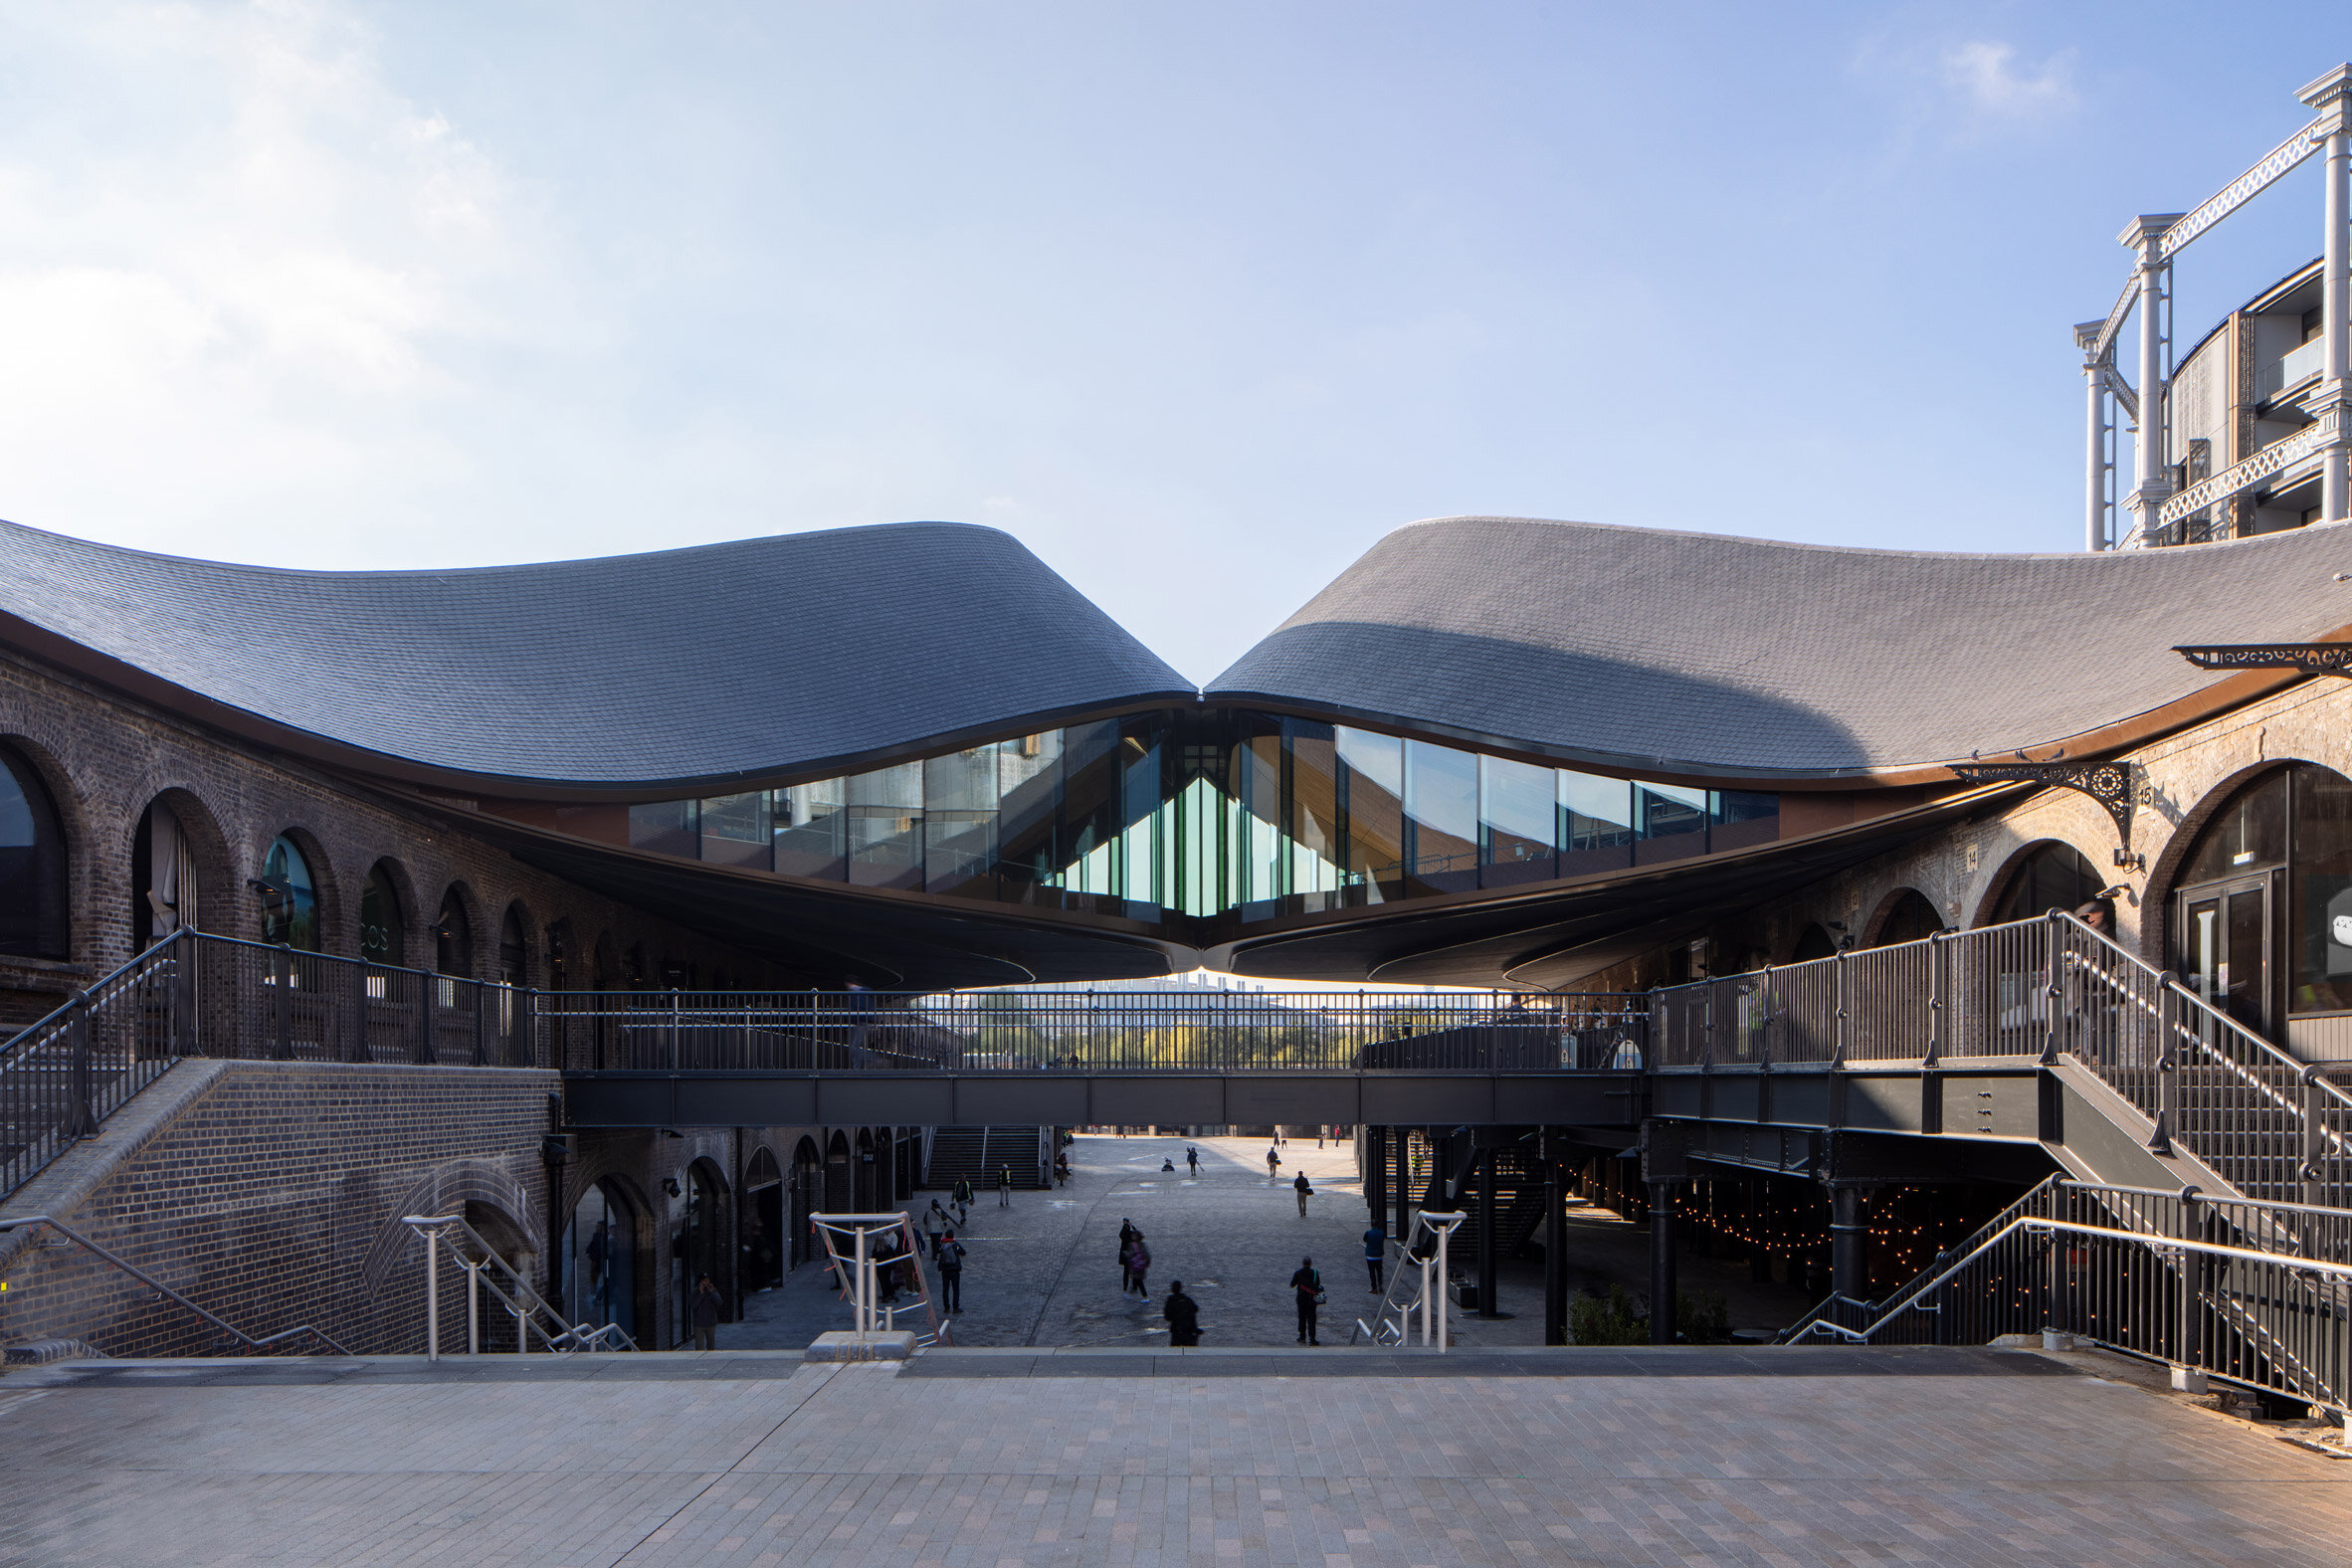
(763, 1223)
(32, 865)
(1912, 919)
(2053, 876)
(162, 876)
(600, 1259)
(290, 897)
(2262, 914)
(383, 935)
(1813, 942)
(453, 938)
(511, 955)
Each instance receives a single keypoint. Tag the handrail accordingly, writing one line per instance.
(21, 1221)
(568, 1336)
(59, 1015)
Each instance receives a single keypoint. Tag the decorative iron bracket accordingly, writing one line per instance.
(2108, 783)
(2312, 658)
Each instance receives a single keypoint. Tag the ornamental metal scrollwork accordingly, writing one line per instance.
(2108, 783)
(2312, 658)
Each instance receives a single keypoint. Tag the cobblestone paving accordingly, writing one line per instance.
(1045, 1271)
(833, 1467)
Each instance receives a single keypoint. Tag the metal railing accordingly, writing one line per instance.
(265, 1343)
(64, 1073)
(2269, 1124)
(2254, 1293)
(1105, 1031)
(507, 1285)
(1417, 1283)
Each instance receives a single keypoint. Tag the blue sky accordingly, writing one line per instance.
(1198, 301)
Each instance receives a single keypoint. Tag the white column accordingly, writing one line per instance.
(2094, 479)
(2151, 483)
(2332, 95)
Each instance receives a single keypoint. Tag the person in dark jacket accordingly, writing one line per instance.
(1306, 1285)
(707, 1307)
(1139, 1268)
(961, 1197)
(950, 1255)
(1375, 1254)
(1127, 1234)
(1183, 1314)
(1304, 1192)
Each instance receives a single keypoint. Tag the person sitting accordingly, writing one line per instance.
(1168, 1166)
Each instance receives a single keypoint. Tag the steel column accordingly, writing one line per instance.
(1661, 1263)
(1849, 1261)
(1555, 1249)
(1486, 1271)
(2332, 95)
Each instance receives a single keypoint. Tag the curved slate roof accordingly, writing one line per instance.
(760, 657)
(1707, 655)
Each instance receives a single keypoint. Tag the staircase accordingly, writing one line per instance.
(976, 1154)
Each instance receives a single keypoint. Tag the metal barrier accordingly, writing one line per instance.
(1088, 1031)
(63, 1075)
(1423, 1266)
(264, 1343)
(514, 1292)
(2255, 1293)
(879, 1241)
(2271, 1127)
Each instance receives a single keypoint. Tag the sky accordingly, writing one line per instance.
(1197, 300)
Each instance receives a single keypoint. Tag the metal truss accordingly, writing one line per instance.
(2108, 783)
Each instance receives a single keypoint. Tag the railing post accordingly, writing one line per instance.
(428, 998)
(433, 1294)
(2314, 1104)
(479, 1059)
(185, 1035)
(1838, 1023)
(2055, 991)
(2188, 1376)
(80, 1113)
(2168, 1068)
(282, 962)
(1936, 963)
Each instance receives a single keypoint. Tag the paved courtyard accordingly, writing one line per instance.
(1045, 1271)
(1007, 1458)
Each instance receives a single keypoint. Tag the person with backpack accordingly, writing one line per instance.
(961, 1197)
(1004, 1186)
(1307, 1287)
(1183, 1314)
(1304, 1192)
(950, 1255)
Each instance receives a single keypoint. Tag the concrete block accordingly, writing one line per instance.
(842, 1345)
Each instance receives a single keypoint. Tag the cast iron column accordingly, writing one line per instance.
(1376, 1174)
(1555, 1247)
(1486, 1159)
(1661, 1263)
(1850, 1264)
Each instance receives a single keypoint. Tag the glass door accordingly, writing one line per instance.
(2225, 958)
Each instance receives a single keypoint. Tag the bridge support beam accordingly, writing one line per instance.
(1376, 1175)
(1849, 1258)
(1487, 1243)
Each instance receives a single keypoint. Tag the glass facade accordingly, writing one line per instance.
(1199, 815)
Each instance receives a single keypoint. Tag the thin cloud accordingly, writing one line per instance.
(1993, 81)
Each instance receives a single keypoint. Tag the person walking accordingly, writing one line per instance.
(1127, 1234)
(961, 1196)
(1375, 1254)
(1307, 1287)
(1274, 1164)
(1004, 1186)
(950, 1255)
(934, 1222)
(708, 1307)
(1183, 1314)
(1304, 1192)
(1192, 1158)
(1139, 1265)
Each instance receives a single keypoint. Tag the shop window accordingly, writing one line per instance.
(383, 937)
(290, 897)
(32, 865)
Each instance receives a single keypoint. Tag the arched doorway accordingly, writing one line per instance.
(600, 1259)
(839, 1191)
(2050, 876)
(861, 1190)
(290, 896)
(2261, 906)
(164, 877)
(763, 1224)
(697, 1245)
(383, 931)
(1911, 919)
(453, 938)
(1813, 942)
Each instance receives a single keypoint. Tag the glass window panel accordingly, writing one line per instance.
(735, 830)
(1597, 813)
(885, 825)
(1442, 814)
(1090, 807)
(665, 827)
(1372, 775)
(1029, 790)
(811, 830)
(2321, 892)
(1666, 810)
(290, 906)
(961, 781)
(2247, 834)
(959, 822)
(1516, 810)
(1141, 786)
(1739, 818)
(1314, 819)
(382, 938)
